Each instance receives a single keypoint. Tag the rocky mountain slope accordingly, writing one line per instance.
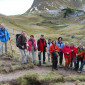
(54, 6)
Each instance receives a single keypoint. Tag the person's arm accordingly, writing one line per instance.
(36, 45)
(82, 53)
(63, 44)
(57, 48)
(63, 50)
(1, 35)
(75, 51)
(8, 35)
(70, 51)
(50, 50)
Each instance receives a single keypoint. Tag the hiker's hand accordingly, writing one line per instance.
(55, 50)
(81, 55)
(72, 50)
(60, 48)
(67, 53)
(9, 38)
(39, 52)
(23, 47)
(76, 54)
(3, 34)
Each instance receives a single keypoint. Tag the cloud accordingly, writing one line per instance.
(13, 7)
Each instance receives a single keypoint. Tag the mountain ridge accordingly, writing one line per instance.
(42, 6)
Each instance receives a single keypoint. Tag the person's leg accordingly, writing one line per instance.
(74, 63)
(81, 60)
(66, 62)
(44, 57)
(23, 56)
(61, 58)
(1, 47)
(82, 65)
(28, 55)
(48, 57)
(39, 56)
(71, 62)
(33, 57)
(56, 62)
(53, 63)
(77, 65)
(6, 49)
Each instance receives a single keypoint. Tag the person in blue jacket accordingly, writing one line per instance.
(4, 37)
(60, 45)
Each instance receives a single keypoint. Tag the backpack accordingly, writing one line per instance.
(17, 35)
(54, 54)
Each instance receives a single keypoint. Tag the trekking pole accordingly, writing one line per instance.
(11, 48)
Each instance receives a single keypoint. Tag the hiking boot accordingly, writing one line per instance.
(56, 69)
(25, 63)
(60, 66)
(75, 69)
(52, 69)
(39, 64)
(22, 64)
(79, 71)
(66, 68)
(34, 63)
(44, 62)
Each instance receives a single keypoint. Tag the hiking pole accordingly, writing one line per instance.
(11, 48)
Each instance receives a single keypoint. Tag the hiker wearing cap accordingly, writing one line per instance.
(60, 45)
(82, 65)
(73, 55)
(41, 43)
(54, 54)
(79, 57)
(32, 47)
(4, 37)
(21, 44)
(67, 54)
(48, 46)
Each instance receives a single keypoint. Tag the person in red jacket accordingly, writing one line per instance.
(73, 55)
(67, 54)
(82, 54)
(54, 54)
(41, 43)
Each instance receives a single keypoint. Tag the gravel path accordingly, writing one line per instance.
(36, 69)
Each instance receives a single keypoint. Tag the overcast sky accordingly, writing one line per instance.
(14, 7)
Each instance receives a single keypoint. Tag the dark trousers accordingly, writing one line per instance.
(39, 56)
(79, 59)
(73, 60)
(61, 57)
(54, 62)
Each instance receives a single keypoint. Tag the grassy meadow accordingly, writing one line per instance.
(51, 27)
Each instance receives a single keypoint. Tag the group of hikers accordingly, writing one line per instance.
(54, 50)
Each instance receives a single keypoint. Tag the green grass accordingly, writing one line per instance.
(59, 26)
(75, 78)
(39, 79)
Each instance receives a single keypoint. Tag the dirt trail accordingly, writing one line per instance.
(36, 69)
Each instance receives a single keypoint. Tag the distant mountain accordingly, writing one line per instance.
(55, 6)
